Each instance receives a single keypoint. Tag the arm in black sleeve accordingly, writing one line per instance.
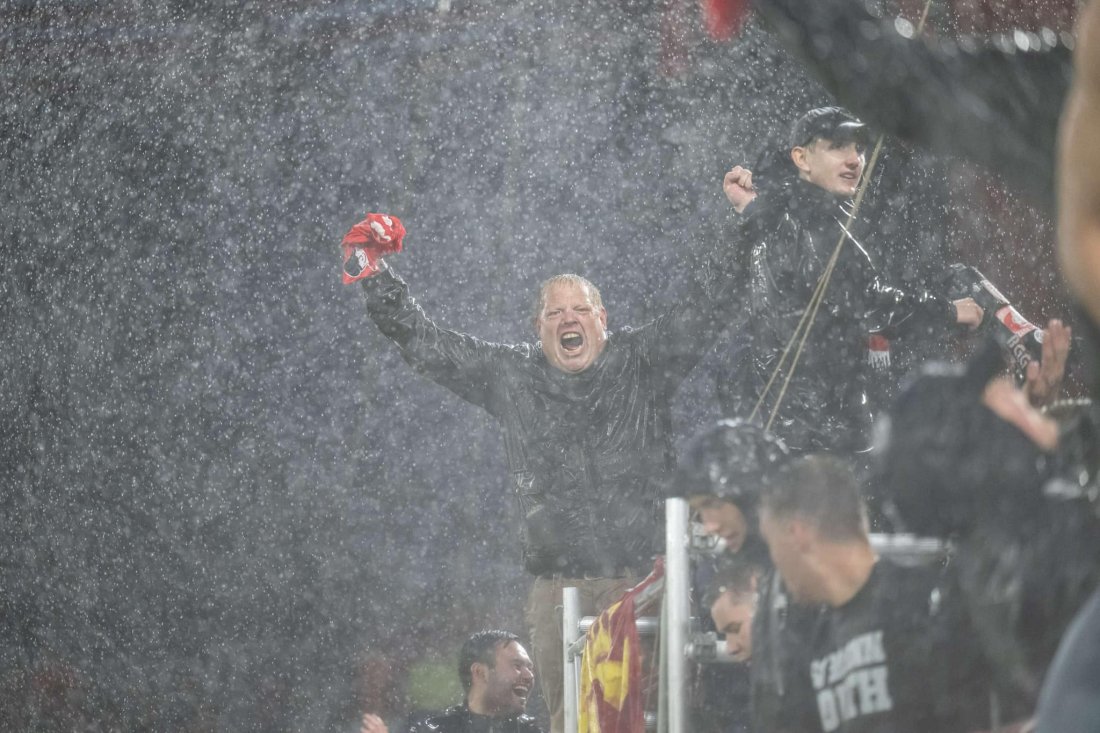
(468, 366)
(997, 106)
(898, 311)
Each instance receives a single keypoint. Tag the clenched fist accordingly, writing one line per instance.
(737, 185)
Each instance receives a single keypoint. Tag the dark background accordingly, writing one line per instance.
(227, 504)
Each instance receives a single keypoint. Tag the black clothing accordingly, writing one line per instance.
(1070, 702)
(721, 698)
(997, 105)
(459, 719)
(588, 451)
(1024, 521)
(793, 233)
(898, 658)
(781, 699)
(1033, 558)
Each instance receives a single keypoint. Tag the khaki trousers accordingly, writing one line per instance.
(544, 619)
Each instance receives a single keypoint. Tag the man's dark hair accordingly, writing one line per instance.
(481, 647)
(735, 576)
(821, 489)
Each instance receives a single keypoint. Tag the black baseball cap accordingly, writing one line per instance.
(830, 123)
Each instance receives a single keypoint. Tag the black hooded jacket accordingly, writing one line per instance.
(588, 451)
(792, 234)
(460, 719)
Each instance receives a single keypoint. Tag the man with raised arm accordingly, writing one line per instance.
(793, 230)
(585, 412)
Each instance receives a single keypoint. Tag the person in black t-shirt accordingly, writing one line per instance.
(890, 651)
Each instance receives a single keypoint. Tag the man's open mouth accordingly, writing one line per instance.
(521, 692)
(571, 340)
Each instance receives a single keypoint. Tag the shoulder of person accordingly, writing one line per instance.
(527, 724)
(445, 721)
(913, 592)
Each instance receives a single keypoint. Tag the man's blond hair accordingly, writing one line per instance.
(570, 278)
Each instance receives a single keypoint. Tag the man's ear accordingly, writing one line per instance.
(479, 671)
(798, 157)
(603, 317)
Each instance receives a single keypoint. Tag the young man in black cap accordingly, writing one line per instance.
(795, 227)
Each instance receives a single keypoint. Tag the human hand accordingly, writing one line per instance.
(968, 312)
(737, 185)
(372, 724)
(367, 242)
(1044, 379)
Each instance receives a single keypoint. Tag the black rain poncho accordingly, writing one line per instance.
(589, 451)
(792, 235)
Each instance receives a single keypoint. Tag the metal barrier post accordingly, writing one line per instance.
(678, 597)
(570, 623)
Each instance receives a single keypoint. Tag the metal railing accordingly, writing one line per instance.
(679, 644)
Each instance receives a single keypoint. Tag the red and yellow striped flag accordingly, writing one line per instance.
(612, 699)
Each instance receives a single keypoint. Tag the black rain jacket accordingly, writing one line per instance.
(588, 452)
(459, 719)
(792, 235)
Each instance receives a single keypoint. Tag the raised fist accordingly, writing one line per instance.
(737, 185)
(367, 242)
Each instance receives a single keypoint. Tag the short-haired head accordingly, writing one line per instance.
(738, 576)
(820, 490)
(571, 323)
(481, 647)
(565, 278)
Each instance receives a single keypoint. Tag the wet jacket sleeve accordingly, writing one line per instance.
(998, 106)
(712, 298)
(468, 366)
(897, 311)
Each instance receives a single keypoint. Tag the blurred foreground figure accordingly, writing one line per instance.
(997, 105)
(585, 412)
(1070, 701)
(890, 651)
(496, 674)
(1079, 179)
(963, 455)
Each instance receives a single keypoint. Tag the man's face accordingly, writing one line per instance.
(509, 681)
(573, 330)
(732, 615)
(835, 167)
(722, 518)
(788, 555)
